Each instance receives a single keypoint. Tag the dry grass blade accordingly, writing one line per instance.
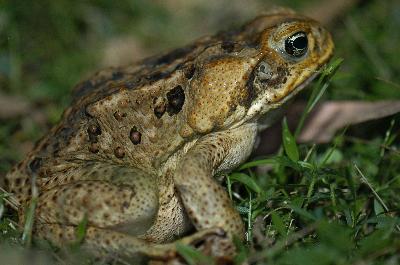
(10, 200)
(365, 180)
(294, 237)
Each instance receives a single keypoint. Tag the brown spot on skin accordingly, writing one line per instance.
(6, 182)
(107, 202)
(94, 129)
(35, 164)
(119, 152)
(189, 71)
(125, 205)
(119, 116)
(228, 46)
(135, 136)
(17, 181)
(94, 148)
(176, 99)
(279, 74)
(159, 110)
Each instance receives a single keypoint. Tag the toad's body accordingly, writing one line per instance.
(137, 150)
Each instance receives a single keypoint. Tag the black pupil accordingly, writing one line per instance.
(300, 43)
(296, 45)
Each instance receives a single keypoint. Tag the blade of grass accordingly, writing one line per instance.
(30, 214)
(241, 250)
(309, 153)
(192, 256)
(81, 230)
(388, 138)
(289, 142)
(9, 199)
(268, 161)
(249, 234)
(382, 203)
(318, 90)
(247, 181)
(278, 223)
(229, 185)
(302, 212)
(1, 206)
(276, 160)
(332, 149)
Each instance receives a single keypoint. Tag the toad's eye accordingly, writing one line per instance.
(296, 45)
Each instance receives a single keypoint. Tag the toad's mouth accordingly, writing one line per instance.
(294, 91)
(266, 114)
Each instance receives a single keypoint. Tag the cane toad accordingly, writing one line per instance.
(137, 150)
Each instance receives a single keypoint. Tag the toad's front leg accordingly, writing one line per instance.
(206, 202)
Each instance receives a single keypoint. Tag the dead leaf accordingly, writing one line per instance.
(12, 107)
(324, 121)
(123, 50)
(331, 116)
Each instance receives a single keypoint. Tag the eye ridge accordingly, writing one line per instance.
(296, 45)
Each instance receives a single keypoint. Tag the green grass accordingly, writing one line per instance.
(334, 203)
(322, 204)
